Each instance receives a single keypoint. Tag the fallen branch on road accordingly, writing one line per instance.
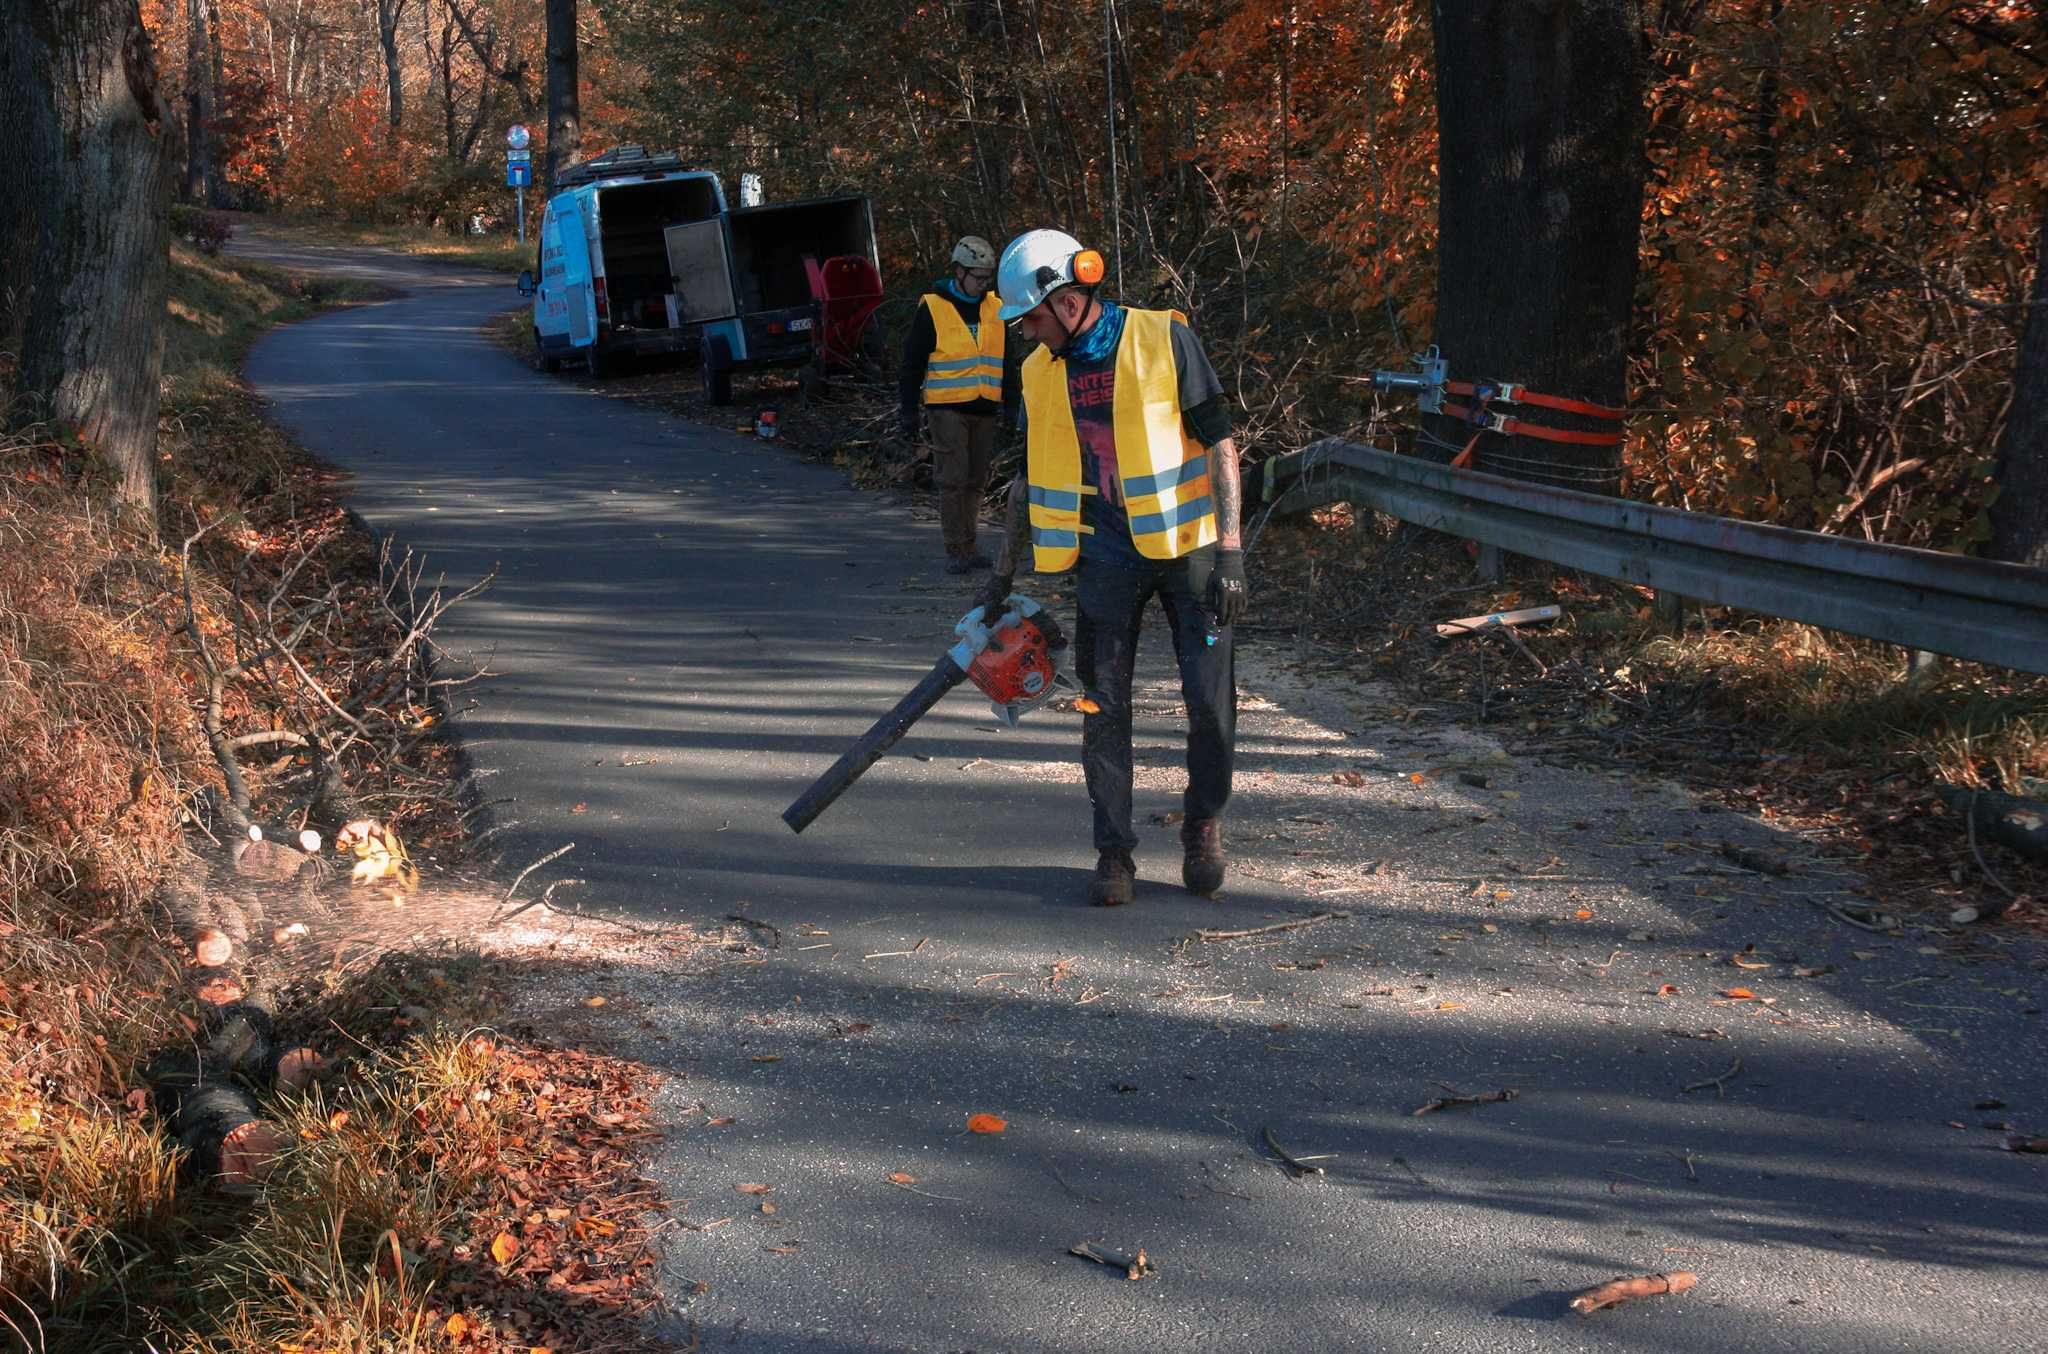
(1626, 1289)
(555, 854)
(1447, 1101)
(1720, 1083)
(1296, 1166)
(1206, 935)
(1135, 1267)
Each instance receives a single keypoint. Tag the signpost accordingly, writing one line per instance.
(519, 168)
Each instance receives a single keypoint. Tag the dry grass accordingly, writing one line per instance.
(499, 252)
(103, 1243)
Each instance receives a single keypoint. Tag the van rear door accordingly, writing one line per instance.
(700, 271)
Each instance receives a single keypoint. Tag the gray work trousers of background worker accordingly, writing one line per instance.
(962, 446)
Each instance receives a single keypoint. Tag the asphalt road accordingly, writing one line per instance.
(688, 625)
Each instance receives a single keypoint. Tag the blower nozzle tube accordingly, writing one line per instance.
(944, 676)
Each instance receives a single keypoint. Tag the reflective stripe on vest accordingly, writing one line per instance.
(1164, 472)
(966, 364)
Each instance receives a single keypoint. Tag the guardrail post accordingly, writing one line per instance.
(1922, 668)
(1670, 610)
(1489, 563)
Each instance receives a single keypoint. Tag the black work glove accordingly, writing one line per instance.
(911, 424)
(1228, 595)
(991, 598)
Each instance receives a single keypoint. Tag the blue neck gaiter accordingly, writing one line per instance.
(1100, 341)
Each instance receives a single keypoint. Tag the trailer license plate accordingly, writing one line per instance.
(798, 326)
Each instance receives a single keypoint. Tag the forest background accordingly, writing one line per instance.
(1837, 234)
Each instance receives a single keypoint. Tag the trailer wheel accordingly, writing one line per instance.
(597, 361)
(716, 369)
(549, 362)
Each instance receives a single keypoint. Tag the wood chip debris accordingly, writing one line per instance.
(1447, 1101)
(1135, 1267)
(1625, 1289)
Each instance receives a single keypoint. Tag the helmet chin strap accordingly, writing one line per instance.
(1069, 334)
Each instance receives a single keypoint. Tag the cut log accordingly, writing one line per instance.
(240, 1039)
(2018, 824)
(211, 948)
(217, 986)
(296, 1067)
(268, 860)
(230, 1143)
(1626, 1289)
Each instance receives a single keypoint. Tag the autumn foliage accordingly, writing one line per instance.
(1835, 239)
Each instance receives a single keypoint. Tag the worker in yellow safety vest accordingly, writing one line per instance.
(1131, 479)
(957, 378)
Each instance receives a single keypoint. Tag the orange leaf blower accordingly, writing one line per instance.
(1019, 663)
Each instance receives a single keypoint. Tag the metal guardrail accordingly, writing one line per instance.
(1976, 609)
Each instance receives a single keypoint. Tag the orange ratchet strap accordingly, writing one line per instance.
(1507, 392)
(1484, 419)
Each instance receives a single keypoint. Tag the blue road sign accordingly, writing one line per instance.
(519, 175)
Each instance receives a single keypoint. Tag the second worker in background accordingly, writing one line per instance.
(1130, 477)
(957, 377)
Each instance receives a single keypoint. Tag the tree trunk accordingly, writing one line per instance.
(202, 164)
(565, 117)
(2019, 518)
(1541, 121)
(389, 13)
(85, 230)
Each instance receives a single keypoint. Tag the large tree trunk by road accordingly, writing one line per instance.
(84, 232)
(202, 171)
(2019, 519)
(1541, 122)
(565, 118)
(389, 13)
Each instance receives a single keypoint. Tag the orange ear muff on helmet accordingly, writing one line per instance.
(1087, 267)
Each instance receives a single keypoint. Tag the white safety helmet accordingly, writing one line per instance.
(974, 253)
(1038, 263)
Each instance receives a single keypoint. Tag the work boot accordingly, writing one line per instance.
(1115, 882)
(977, 560)
(1201, 869)
(960, 564)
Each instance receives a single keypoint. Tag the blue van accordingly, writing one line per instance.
(640, 255)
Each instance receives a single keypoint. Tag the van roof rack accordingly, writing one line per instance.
(618, 161)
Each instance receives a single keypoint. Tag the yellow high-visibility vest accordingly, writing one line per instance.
(1165, 473)
(966, 364)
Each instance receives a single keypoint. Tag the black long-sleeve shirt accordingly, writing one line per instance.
(917, 350)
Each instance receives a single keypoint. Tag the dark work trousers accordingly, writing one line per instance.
(1111, 614)
(962, 445)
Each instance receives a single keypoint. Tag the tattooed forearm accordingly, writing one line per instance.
(1229, 492)
(1016, 531)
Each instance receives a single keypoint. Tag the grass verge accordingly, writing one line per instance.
(422, 1143)
(497, 252)
(1816, 731)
